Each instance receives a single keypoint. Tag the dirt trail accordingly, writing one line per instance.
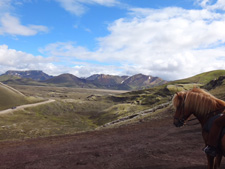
(154, 144)
(25, 106)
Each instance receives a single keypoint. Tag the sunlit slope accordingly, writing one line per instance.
(203, 78)
(10, 97)
(199, 80)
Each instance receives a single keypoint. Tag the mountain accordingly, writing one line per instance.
(134, 82)
(36, 75)
(108, 81)
(68, 80)
(95, 81)
(141, 81)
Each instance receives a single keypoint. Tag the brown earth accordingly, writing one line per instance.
(149, 144)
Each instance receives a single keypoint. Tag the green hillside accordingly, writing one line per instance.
(10, 97)
(199, 80)
(217, 87)
(203, 78)
(8, 77)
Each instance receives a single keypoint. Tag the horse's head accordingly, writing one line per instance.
(181, 114)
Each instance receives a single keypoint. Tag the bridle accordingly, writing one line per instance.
(181, 121)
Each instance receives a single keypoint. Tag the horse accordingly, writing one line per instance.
(203, 106)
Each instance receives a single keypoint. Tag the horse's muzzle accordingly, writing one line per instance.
(178, 122)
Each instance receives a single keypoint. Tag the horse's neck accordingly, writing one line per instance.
(202, 120)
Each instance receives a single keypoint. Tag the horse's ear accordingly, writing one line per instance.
(179, 96)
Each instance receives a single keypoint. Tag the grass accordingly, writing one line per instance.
(56, 118)
(8, 77)
(148, 97)
(115, 112)
(181, 87)
(12, 80)
(73, 111)
(10, 97)
(61, 117)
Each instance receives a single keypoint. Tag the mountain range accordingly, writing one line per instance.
(38, 77)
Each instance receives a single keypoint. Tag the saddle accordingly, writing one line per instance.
(207, 127)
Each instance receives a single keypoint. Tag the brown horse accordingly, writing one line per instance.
(204, 106)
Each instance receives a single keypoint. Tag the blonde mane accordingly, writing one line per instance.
(199, 102)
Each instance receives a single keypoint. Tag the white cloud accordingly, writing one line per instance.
(11, 25)
(84, 69)
(220, 4)
(67, 50)
(11, 59)
(171, 43)
(212, 5)
(203, 3)
(79, 7)
(171, 40)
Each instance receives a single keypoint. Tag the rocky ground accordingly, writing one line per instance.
(149, 144)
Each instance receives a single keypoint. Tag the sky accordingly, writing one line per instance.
(170, 39)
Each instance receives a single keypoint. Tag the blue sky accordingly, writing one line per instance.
(171, 39)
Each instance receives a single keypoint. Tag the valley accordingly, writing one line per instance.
(68, 110)
(100, 128)
(83, 109)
